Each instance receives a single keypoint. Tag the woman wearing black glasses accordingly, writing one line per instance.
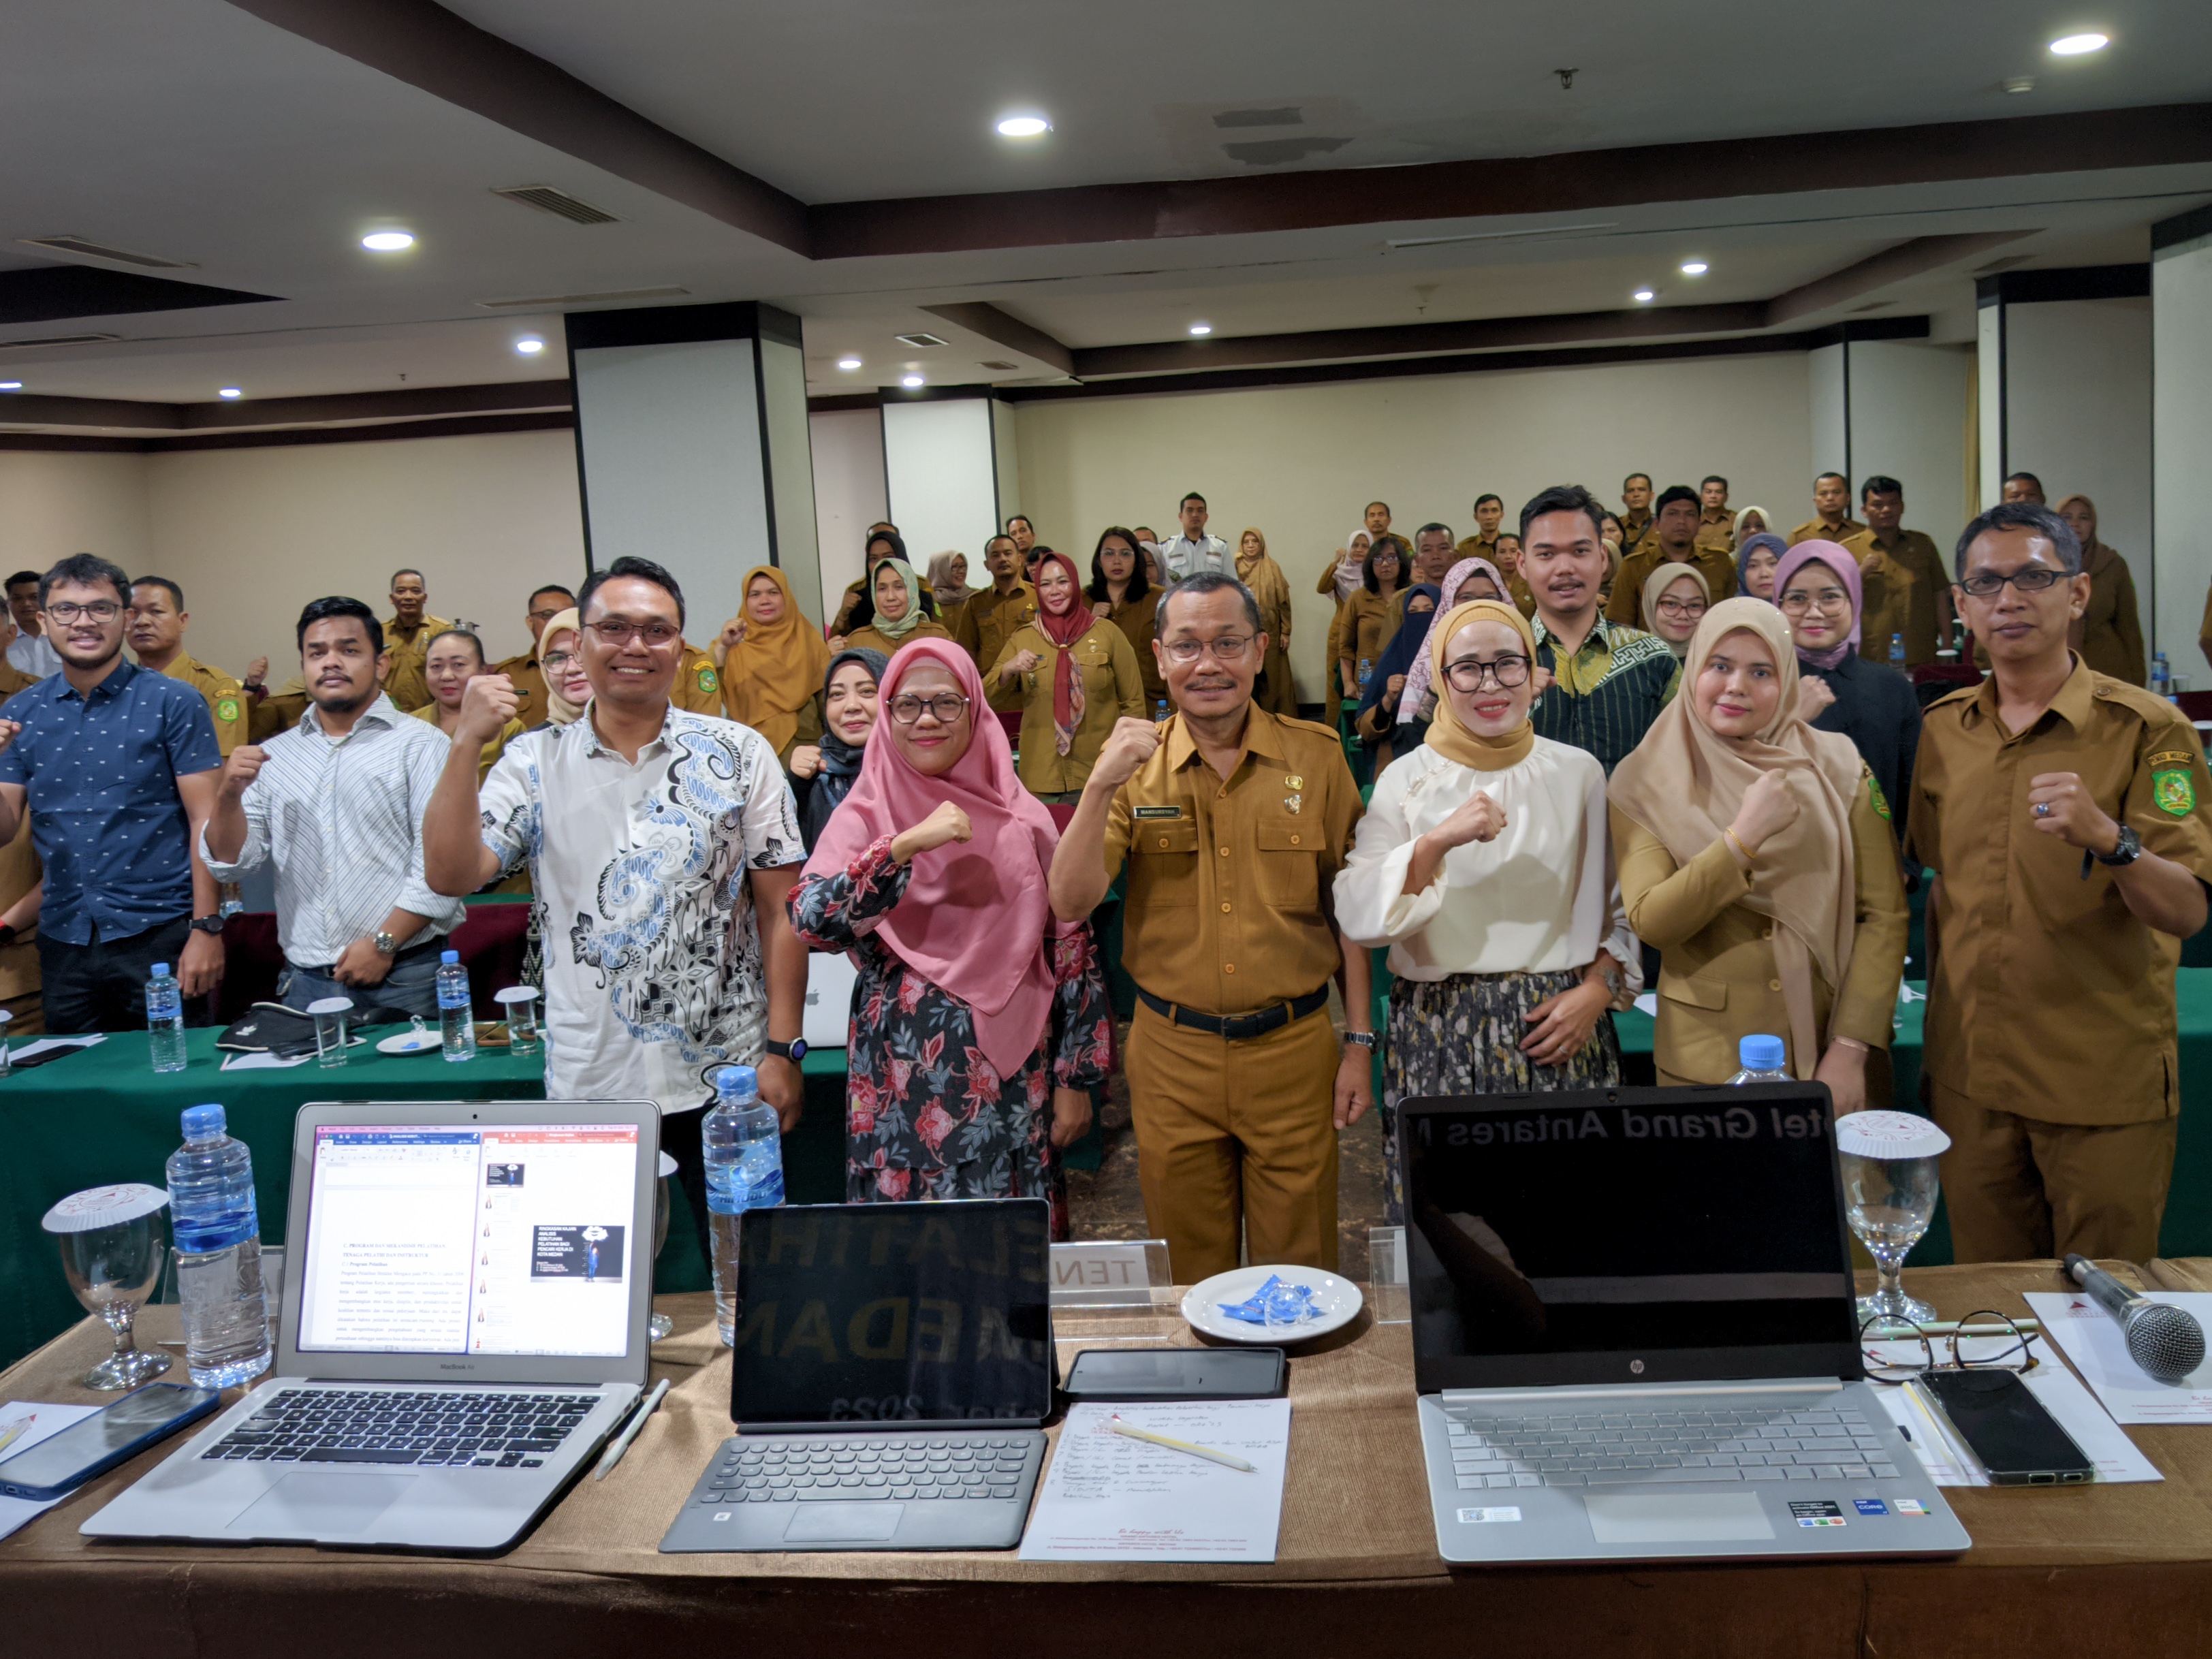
(1483, 864)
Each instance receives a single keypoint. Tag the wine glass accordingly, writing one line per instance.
(113, 1240)
(661, 1325)
(1890, 1187)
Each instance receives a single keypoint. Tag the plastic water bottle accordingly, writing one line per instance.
(165, 1020)
(1763, 1059)
(2161, 677)
(1897, 652)
(1160, 711)
(457, 1026)
(743, 1145)
(1366, 672)
(218, 1235)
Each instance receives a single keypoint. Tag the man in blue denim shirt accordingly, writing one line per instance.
(118, 766)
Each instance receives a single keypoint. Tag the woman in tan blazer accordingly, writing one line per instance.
(1756, 854)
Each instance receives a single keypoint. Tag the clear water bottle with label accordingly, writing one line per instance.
(1161, 712)
(2161, 676)
(457, 1026)
(1763, 1059)
(218, 1236)
(1897, 652)
(742, 1145)
(1366, 673)
(165, 1020)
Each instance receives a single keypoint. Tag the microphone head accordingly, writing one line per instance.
(2166, 1342)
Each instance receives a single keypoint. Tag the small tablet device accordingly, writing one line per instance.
(1140, 1374)
(62, 1462)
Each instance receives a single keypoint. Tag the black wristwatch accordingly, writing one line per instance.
(207, 924)
(2128, 850)
(794, 1051)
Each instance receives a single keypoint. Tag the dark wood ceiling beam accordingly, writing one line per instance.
(1917, 258)
(124, 414)
(48, 294)
(1001, 328)
(408, 404)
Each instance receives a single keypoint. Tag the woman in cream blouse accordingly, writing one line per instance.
(1483, 864)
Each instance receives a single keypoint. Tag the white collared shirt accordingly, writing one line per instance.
(342, 818)
(653, 975)
(1182, 557)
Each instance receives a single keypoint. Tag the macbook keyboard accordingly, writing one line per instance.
(1588, 1448)
(426, 1427)
(815, 1468)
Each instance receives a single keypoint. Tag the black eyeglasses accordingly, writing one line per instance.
(1467, 675)
(2029, 579)
(100, 610)
(947, 706)
(615, 631)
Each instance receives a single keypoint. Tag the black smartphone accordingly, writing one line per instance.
(1141, 1374)
(1999, 1417)
(62, 1462)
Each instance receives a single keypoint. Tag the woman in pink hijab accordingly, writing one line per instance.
(978, 1027)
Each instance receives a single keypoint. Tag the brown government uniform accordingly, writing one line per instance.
(2051, 1054)
(698, 688)
(227, 706)
(1625, 603)
(1715, 531)
(403, 682)
(987, 621)
(1820, 530)
(1228, 914)
(1902, 584)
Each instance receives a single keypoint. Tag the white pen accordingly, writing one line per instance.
(1115, 1424)
(613, 1454)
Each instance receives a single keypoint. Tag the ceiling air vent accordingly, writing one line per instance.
(919, 342)
(558, 203)
(84, 247)
(57, 340)
(546, 301)
(1003, 368)
(1290, 116)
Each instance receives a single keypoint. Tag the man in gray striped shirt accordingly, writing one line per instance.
(338, 801)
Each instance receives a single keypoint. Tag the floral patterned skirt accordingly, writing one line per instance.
(1461, 1034)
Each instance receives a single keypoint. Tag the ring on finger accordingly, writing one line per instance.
(2043, 809)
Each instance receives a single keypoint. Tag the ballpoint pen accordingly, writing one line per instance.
(613, 1454)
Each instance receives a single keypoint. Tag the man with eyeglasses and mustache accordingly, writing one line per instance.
(1233, 822)
(2062, 813)
(117, 765)
(663, 845)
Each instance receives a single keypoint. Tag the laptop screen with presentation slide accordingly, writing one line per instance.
(1627, 1235)
(486, 1240)
(856, 1313)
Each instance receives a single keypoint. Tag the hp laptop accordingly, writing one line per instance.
(465, 1312)
(890, 1376)
(1634, 1336)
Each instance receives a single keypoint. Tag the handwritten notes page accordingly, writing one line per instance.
(1109, 1498)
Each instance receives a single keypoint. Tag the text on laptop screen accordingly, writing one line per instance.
(893, 1313)
(1614, 1228)
(509, 1240)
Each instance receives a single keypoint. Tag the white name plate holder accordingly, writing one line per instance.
(1111, 1273)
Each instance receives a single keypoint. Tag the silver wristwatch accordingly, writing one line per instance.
(385, 944)
(1364, 1039)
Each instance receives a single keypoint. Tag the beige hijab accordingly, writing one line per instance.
(1662, 576)
(1685, 782)
(558, 709)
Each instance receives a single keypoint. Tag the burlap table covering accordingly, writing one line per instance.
(2096, 1570)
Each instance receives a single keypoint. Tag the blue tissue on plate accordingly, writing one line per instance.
(1293, 1303)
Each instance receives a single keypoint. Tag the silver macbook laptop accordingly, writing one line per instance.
(890, 1376)
(465, 1323)
(1634, 1334)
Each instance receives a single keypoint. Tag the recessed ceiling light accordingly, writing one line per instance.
(387, 241)
(530, 345)
(1202, 328)
(848, 364)
(1693, 267)
(910, 381)
(230, 392)
(11, 386)
(1024, 126)
(1645, 297)
(2073, 45)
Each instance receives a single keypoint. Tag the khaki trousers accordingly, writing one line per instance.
(1235, 1133)
(2018, 1189)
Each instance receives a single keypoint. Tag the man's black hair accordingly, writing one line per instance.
(1566, 498)
(20, 578)
(2014, 478)
(1627, 481)
(1205, 581)
(1673, 493)
(336, 606)
(1187, 499)
(1489, 496)
(467, 634)
(2022, 515)
(644, 570)
(1820, 479)
(1712, 477)
(1433, 524)
(553, 587)
(176, 593)
(410, 570)
(1876, 484)
(85, 570)
(1024, 517)
(1370, 505)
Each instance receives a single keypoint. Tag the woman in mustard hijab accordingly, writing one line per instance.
(1756, 855)
(773, 660)
(1272, 588)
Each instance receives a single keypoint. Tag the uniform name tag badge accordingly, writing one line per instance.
(1156, 812)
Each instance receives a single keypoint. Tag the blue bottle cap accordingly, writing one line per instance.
(449, 956)
(204, 1123)
(1760, 1054)
(736, 1081)
(160, 970)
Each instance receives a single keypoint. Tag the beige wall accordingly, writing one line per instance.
(253, 534)
(1300, 462)
(56, 503)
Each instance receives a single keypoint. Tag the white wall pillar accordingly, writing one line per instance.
(941, 471)
(849, 493)
(2181, 439)
(1892, 407)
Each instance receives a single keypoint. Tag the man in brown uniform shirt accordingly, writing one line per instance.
(155, 629)
(2063, 815)
(1635, 510)
(1233, 822)
(1901, 578)
(1489, 516)
(1715, 524)
(1674, 539)
(993, 617)
(408, 632)
(1831, 521)
(526, 673)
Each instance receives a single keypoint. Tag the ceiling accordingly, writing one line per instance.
(775, 153)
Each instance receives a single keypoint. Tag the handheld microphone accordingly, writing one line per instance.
(2166, 1342)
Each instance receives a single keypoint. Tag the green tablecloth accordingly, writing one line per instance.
(106, 1115)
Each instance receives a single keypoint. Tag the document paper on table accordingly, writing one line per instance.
(23, 1424)
(2100, 1352)
(1109, 1498)
(1947, 1459)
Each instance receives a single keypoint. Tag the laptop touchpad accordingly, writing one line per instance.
(1687, 1518)
(844, 1523)
(303, 1505)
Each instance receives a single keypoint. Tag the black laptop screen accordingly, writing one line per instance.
(893, 1313)
(1631, 1235)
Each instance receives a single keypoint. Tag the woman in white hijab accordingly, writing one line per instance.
(1341, 581)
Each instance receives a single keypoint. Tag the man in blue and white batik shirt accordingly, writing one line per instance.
(661, 846)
